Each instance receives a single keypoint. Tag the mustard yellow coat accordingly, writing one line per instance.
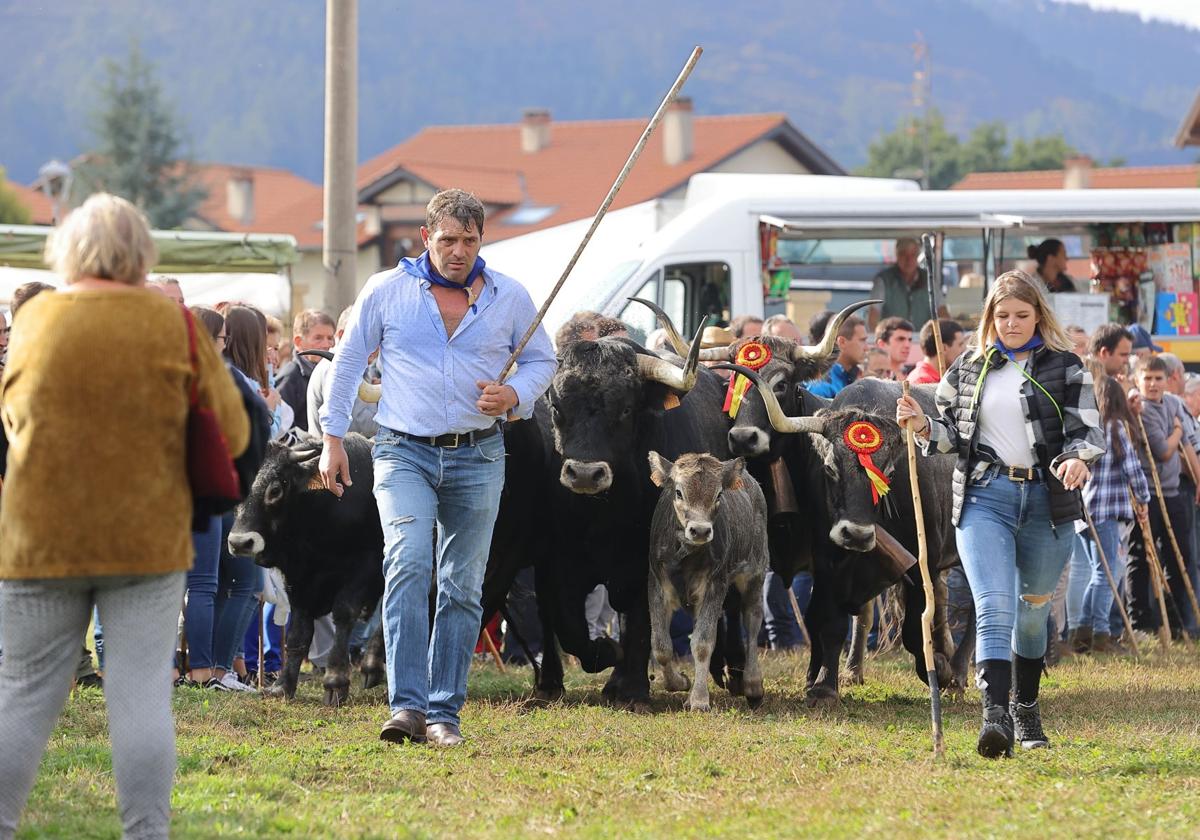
(95, 404)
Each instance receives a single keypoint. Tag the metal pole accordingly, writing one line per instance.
(935, 694)
(339, 248)
(608, 199)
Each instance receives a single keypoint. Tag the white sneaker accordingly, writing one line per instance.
(232, 683)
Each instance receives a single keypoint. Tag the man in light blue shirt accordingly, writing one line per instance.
(446, 325)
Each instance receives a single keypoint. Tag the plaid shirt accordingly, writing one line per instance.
(1107, 492)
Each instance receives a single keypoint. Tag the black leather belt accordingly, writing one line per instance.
(1019, 473)
(454, 439)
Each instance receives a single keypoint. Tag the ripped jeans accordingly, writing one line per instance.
(1013, 559)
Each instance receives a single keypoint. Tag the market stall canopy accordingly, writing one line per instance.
(187, 252)
(904, 212)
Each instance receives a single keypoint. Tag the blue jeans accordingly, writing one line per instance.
(202, 595)
(1078, 575)
(1013, 558)
(238, 580)
(417, 487)
(779, 620)
(272, 642)
(1098, 597)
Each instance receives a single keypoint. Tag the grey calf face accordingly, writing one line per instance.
(697, 483)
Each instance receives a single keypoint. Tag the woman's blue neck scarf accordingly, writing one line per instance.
(426, 270)
(1031, 344)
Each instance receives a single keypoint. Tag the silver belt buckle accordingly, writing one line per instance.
(1027, 474)
(457, 441)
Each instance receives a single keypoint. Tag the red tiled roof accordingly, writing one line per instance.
(1107, 178)
(41, 209)
(572, 174)
(283, 202)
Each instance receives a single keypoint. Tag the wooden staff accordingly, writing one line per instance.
(928, 241)
(799, 617)
(491, 646)
(935, 695)
(1112, 581)
(261, 632)
(1183, 571)
(1156, 582)
(608, 199)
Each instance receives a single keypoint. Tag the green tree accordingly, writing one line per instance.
(1040, 153)
(139, 142)
(12, 210)
(901, 153)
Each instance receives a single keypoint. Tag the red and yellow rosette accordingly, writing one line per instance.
(754, 355)
(864, 439)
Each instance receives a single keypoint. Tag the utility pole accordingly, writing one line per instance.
(339, 248)
(922, 100)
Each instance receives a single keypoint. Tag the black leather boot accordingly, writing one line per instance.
(994, 679)
(1026, 713)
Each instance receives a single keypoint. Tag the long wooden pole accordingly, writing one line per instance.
(799, 616)
(1112, 581)
(928, 242)
(935, 694)
(1156, 583)
(608, 199)
(1162, 502)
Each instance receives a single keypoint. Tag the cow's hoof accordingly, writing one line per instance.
(754, 700)
(690, 705)
(279, 692)
(372, 679)
(735, 685)
(822, 697)
(336, 695)
(854, 678)
(639, 707)
(549, 695)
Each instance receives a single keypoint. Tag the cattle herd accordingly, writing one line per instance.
(633, 474)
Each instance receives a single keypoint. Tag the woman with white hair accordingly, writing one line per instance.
(97, 506)
(1019, 410)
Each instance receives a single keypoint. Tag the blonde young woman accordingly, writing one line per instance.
(97, 508)
(1019, 409)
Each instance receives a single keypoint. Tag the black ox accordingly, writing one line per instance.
(330, 550)
(610, 404)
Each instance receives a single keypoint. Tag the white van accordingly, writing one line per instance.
(836, 233)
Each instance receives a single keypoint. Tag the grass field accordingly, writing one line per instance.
(1125, 763)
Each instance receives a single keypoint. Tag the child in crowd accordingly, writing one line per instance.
(1163, 433)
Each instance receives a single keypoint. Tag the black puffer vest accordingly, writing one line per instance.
(1043, 408)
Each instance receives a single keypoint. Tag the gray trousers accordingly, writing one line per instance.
(43, 621)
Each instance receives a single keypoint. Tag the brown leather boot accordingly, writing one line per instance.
(1102, 643)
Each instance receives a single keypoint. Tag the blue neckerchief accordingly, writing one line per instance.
(1031, 344)
(428, 272)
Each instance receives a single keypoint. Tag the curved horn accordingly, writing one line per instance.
(829, 340)
(664, 320)
(369, 392)
(779, 420)
(324, 354)
(655, 369)
(717, 354)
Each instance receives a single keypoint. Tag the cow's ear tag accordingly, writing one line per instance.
(671, 400)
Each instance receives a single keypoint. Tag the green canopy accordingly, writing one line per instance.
(179, 251)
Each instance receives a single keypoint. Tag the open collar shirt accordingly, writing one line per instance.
(428, 377)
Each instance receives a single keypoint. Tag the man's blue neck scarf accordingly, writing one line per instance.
(426, 270)
(1031, 344)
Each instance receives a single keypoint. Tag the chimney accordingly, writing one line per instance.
(1077, 173)
(535, 130)
(239, 196)
(677, 131)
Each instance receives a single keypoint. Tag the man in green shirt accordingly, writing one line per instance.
(904, 288)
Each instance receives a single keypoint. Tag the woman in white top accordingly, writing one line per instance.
(1020, 411)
